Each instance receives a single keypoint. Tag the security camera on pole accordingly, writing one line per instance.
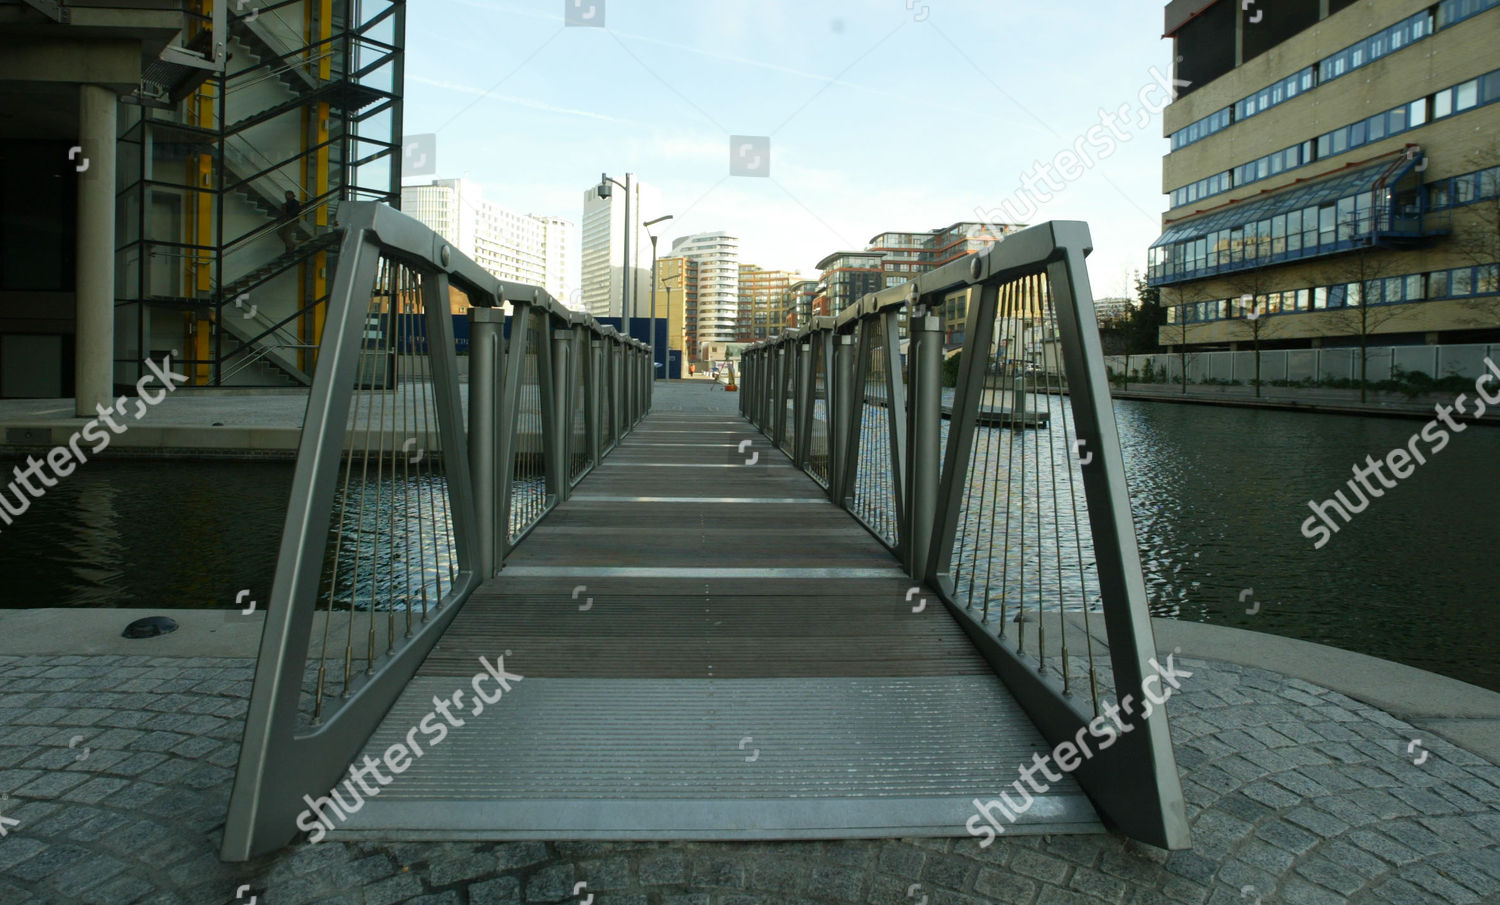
(625, 301)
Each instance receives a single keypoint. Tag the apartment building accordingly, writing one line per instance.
(762, 301)
(718, 299)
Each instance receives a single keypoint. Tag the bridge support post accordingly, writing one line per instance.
(594, 348)
(927, 424)
(803, 404)
(840, 413)
(486, 338)
(616, 390)
(562, 411)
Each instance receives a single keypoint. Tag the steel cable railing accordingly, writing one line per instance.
(398, 510)
(874, 499)
(1023, 556)
(528, 477)
(1015, 511)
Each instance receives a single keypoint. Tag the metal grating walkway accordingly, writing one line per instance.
(711, 650)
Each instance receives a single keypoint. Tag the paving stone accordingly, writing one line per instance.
(407, 885)
(500, 891)
(950, 871)
(1004, 887)
(550, 884)
(1039, 866)
(1442, 887)
(1099, 885)
(662, 867)
(1342, 804)
(512, 855)
(1285, 836)
(840, 884)
(1324, 872)
(772, 874)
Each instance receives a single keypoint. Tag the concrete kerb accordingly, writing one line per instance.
(1464, 714)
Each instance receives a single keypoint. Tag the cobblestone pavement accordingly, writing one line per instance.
(117, 771)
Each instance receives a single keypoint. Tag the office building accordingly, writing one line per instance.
(717, 310)
(1333, 174)
(526, 248)
(149, 149)
(677, 302)
(602, 255)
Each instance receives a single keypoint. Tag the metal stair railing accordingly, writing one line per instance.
(1015, 511)
(398, 509)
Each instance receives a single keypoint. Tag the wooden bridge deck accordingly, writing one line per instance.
(711, 650)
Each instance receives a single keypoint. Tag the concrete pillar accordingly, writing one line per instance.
(94, 371)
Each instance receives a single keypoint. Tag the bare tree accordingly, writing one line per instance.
(1361, 273)
(1253, 310)
(1179, 333)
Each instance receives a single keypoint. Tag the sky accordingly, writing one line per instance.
(887, 115)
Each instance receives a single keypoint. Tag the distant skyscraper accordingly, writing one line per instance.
(538, 251)
(603, 249)
(718, 257)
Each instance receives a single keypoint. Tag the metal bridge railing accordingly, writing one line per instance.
(399, 509)
(1004, 494)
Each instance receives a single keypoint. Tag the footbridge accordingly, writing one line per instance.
(545, 596)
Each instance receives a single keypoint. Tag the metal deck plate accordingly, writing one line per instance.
(709, 653)
(712, 758)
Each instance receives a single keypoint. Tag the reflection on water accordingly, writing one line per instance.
(135, 533)
(1218, 496)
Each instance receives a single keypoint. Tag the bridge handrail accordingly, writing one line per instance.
(846, 406)
(457, 499)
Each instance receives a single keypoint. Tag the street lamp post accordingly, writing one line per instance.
(666, 365)
(625, 300)
(669, 335)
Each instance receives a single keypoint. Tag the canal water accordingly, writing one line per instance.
(1219, 495)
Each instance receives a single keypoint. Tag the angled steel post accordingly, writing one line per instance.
(510, 410)
(442, 356)
(1128, 622)
(854, 427)
(979, 339)
(926, 350)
